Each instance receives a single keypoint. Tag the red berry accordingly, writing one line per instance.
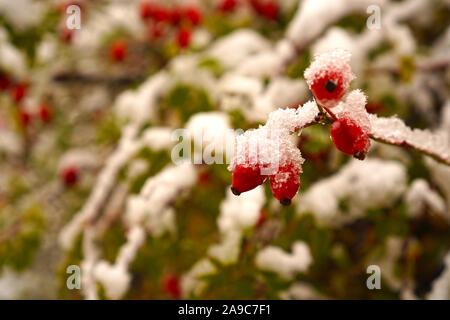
(69, 176)
(285, 183)
(227, 5)
(269, 10)
(194, 15)
(246, 178)
(146, 10)
(329, 76)
(176, 15)
(171, 284)
(160, 14)
(118, 50)
(19, 91)
(45, 113)
(183, 37)
(328, 89)
(4, 82)
(348, 137)
(25, 117)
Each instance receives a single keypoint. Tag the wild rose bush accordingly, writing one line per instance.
(350, 125)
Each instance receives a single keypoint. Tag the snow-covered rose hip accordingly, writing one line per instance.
(350, 132)
(329, 76)
(285, 183)
(245, 178)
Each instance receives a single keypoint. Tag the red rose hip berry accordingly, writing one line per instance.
(329, 77)
(285, 184)
(246, 178)
(350, 138)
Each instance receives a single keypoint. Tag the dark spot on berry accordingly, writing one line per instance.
(235, 192)
(285, 201)
(330, 86)
(360, 155)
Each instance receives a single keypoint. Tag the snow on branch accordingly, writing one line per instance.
(394, 131)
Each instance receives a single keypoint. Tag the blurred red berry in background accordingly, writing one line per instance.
(194, 15)
(183, 37)
(69, 176)
(118, 50)
(227, 5)
(24, 117)
(4, 82)
(45, 112)
(19, 91)
(146, 10)
(171, 285)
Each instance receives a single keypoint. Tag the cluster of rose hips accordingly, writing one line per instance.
(160, 18)
(328, 78)
(18, 91)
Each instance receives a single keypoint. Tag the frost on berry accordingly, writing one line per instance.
(285, 183)
(271, 151)
(329, 76)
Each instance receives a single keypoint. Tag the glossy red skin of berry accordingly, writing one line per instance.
(348, 137)
(194, 15)
(19, 91)
(45, 113)
(285, 183)
(184, 38)
(323, 96)
(4, 82)
(227, 6)
(171, 285)
(118, 51)
(246, 178)
(69, 176)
